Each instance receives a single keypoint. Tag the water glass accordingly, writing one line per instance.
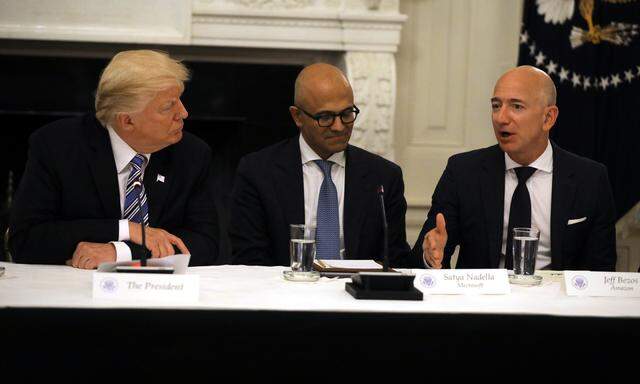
(302, 252)
(525, 249)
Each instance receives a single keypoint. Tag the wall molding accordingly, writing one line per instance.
(360, 35)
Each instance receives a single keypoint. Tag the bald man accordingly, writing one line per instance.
(481, 193)
(317, 178)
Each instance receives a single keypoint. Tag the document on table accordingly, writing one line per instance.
(347, 265)
(179, 262)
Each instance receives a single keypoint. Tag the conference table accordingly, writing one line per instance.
(252, 316)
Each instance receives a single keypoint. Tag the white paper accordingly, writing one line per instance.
(179, 263)
(463, 281)
(350, 264)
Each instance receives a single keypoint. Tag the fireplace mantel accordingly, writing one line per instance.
(306, 29)
(362, 36)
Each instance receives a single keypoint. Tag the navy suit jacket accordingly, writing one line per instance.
(268, 196)
(470, 194)
(69, 193)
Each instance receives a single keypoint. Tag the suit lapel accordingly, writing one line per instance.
(157, 190)
(492, 189)
(562, 194)
(289, 183)
(354, 198)
(103, 167)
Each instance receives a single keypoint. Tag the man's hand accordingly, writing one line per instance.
(434, 242)
(159, 241)
(90, 255)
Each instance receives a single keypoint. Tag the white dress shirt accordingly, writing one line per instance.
(539, 186)
(123, 154)
(312, 177)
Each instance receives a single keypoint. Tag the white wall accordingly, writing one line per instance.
(451, 53)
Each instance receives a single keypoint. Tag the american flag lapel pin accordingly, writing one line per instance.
(160, 178)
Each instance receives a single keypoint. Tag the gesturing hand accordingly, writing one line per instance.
(434, 243)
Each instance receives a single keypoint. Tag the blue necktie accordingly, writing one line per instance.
(327, 226)
(131, 210)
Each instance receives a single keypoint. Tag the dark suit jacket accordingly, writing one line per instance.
(69, 193)
(268, 196)
(470, 194)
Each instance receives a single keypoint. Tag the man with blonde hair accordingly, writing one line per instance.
(524, 181)
(80, 200)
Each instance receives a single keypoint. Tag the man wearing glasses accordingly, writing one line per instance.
(318, 179)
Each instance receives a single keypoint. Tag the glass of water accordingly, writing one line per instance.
(525, 249)
(302, 252)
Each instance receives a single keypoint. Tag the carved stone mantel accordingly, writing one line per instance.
(360, 35)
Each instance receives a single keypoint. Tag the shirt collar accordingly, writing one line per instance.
(122, 152)
(308, 154)
(543, 163)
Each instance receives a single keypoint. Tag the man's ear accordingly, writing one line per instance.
(550, 117)
(295, 115)
(125, 121)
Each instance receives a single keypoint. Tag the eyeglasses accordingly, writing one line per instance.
(326, 119)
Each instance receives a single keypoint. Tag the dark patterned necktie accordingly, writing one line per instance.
(520, 210)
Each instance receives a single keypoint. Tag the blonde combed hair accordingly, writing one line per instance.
(131, 80)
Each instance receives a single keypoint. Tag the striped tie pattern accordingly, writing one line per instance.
(327, 216)
(131, 210)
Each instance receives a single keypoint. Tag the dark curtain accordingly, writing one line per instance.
(591, 49)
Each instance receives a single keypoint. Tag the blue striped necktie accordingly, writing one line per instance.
(131, 210)
(327, 216)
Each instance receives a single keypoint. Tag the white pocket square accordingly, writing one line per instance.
(576, 221)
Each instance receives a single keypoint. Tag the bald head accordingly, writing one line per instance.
(523, 111)
(320, 81)
(534, 78)
(323, 101)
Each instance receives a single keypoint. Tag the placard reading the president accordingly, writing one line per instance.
(607, 284)
(463, 281)
(147, 287)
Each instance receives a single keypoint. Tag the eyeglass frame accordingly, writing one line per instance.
(333, 115)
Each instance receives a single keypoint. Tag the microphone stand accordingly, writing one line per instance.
(143, 257)
(385, 231)
(383, 285)
(143, 268)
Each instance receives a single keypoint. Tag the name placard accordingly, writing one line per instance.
(463, 281)
(148, 287)
(608, 284)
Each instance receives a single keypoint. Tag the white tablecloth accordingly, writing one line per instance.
(263, 288)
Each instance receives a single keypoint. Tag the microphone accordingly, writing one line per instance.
(143, 268)
(143, 257)
(385, 285)
(385, 231)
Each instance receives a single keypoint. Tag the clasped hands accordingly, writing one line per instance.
(88, 255)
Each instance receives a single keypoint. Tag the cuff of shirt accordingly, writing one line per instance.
(123, 253)
(123, 230)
